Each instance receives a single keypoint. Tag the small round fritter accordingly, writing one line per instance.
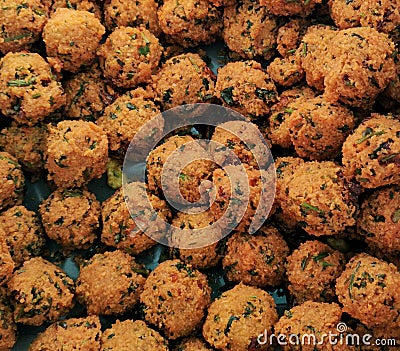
(12, 181)
(250, 30)
(71, 217)
(125, 13)
(190, 177)
(87, 94)
(246, 88)
(290, 8)
(368, 290)
(366, 13)
(77, 152)
(317, 199)
(238, 317)
(290, 35)
(125, 116)
(256, 260)
(133, 336)
(8, 328)
(78, 334)
(312, 270)
(281, 113)
(120, 229)
(129, 56)
(28, 89)
(175, 297)
(26, 144)
(72, 38)
(108, 284)
(40, 292)
(200, 257)
(183, 79)
(286, 71)
(192, 344)
(371, 155)
(313, 319)
(190, 23)
(22, 24)
(318, 128)
(23, 233)
(379, 219)
(7, 264)
(82, 5)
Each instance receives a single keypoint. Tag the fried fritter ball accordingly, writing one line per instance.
(40, 292)
(190, 23)
(22, 23)
(77, 152)
(175, 297)
(312, 270)
(250, 30)
(108, 284)
(371, 154)
(28, 90)
(12, 181)
(317, 199)
(183, 79)
(26, 144)
(129, 56)
(8, 328)
(88, 94)
(368, 291)
(318, 128)
(256, 260)
(125, 116)
(78, 334)
(290, 8)
(7, 264)
(23, 233)
(238, 317)
(290, 35)
(132, 335)
(72, 38)
(379, 219)
(71, 217)
(246, 88)
(119, 227)
(192, 344)
(286, 71)
(125, 13)
(82, 5)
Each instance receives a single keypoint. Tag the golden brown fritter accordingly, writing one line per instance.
(12, 181)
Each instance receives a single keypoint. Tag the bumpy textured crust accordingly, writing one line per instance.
(175, 297)
(72, 38)
(312, 270)
(82, 5)
(192, 344)
(8, 328)
(290, 35)
(371, 155)
(12, 181)
(256, 260)
(125, 13)
(133, 336)
(379, 219)
(317, 199)
(183, 79)
(108, 284)
(77, 152)
(119, 228)
(235, 320)
(286, 71)
(290, 8)
(87, 94)
(318, 128)
(71, 217)
(26, 144)
(368, 291)
(22, 25)
(24, 234)
(80, 334)
(190, 22)
(40, 292)
(250, 30)
(28, 90)
(7, 264)
(129, 56)
(246, 88)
